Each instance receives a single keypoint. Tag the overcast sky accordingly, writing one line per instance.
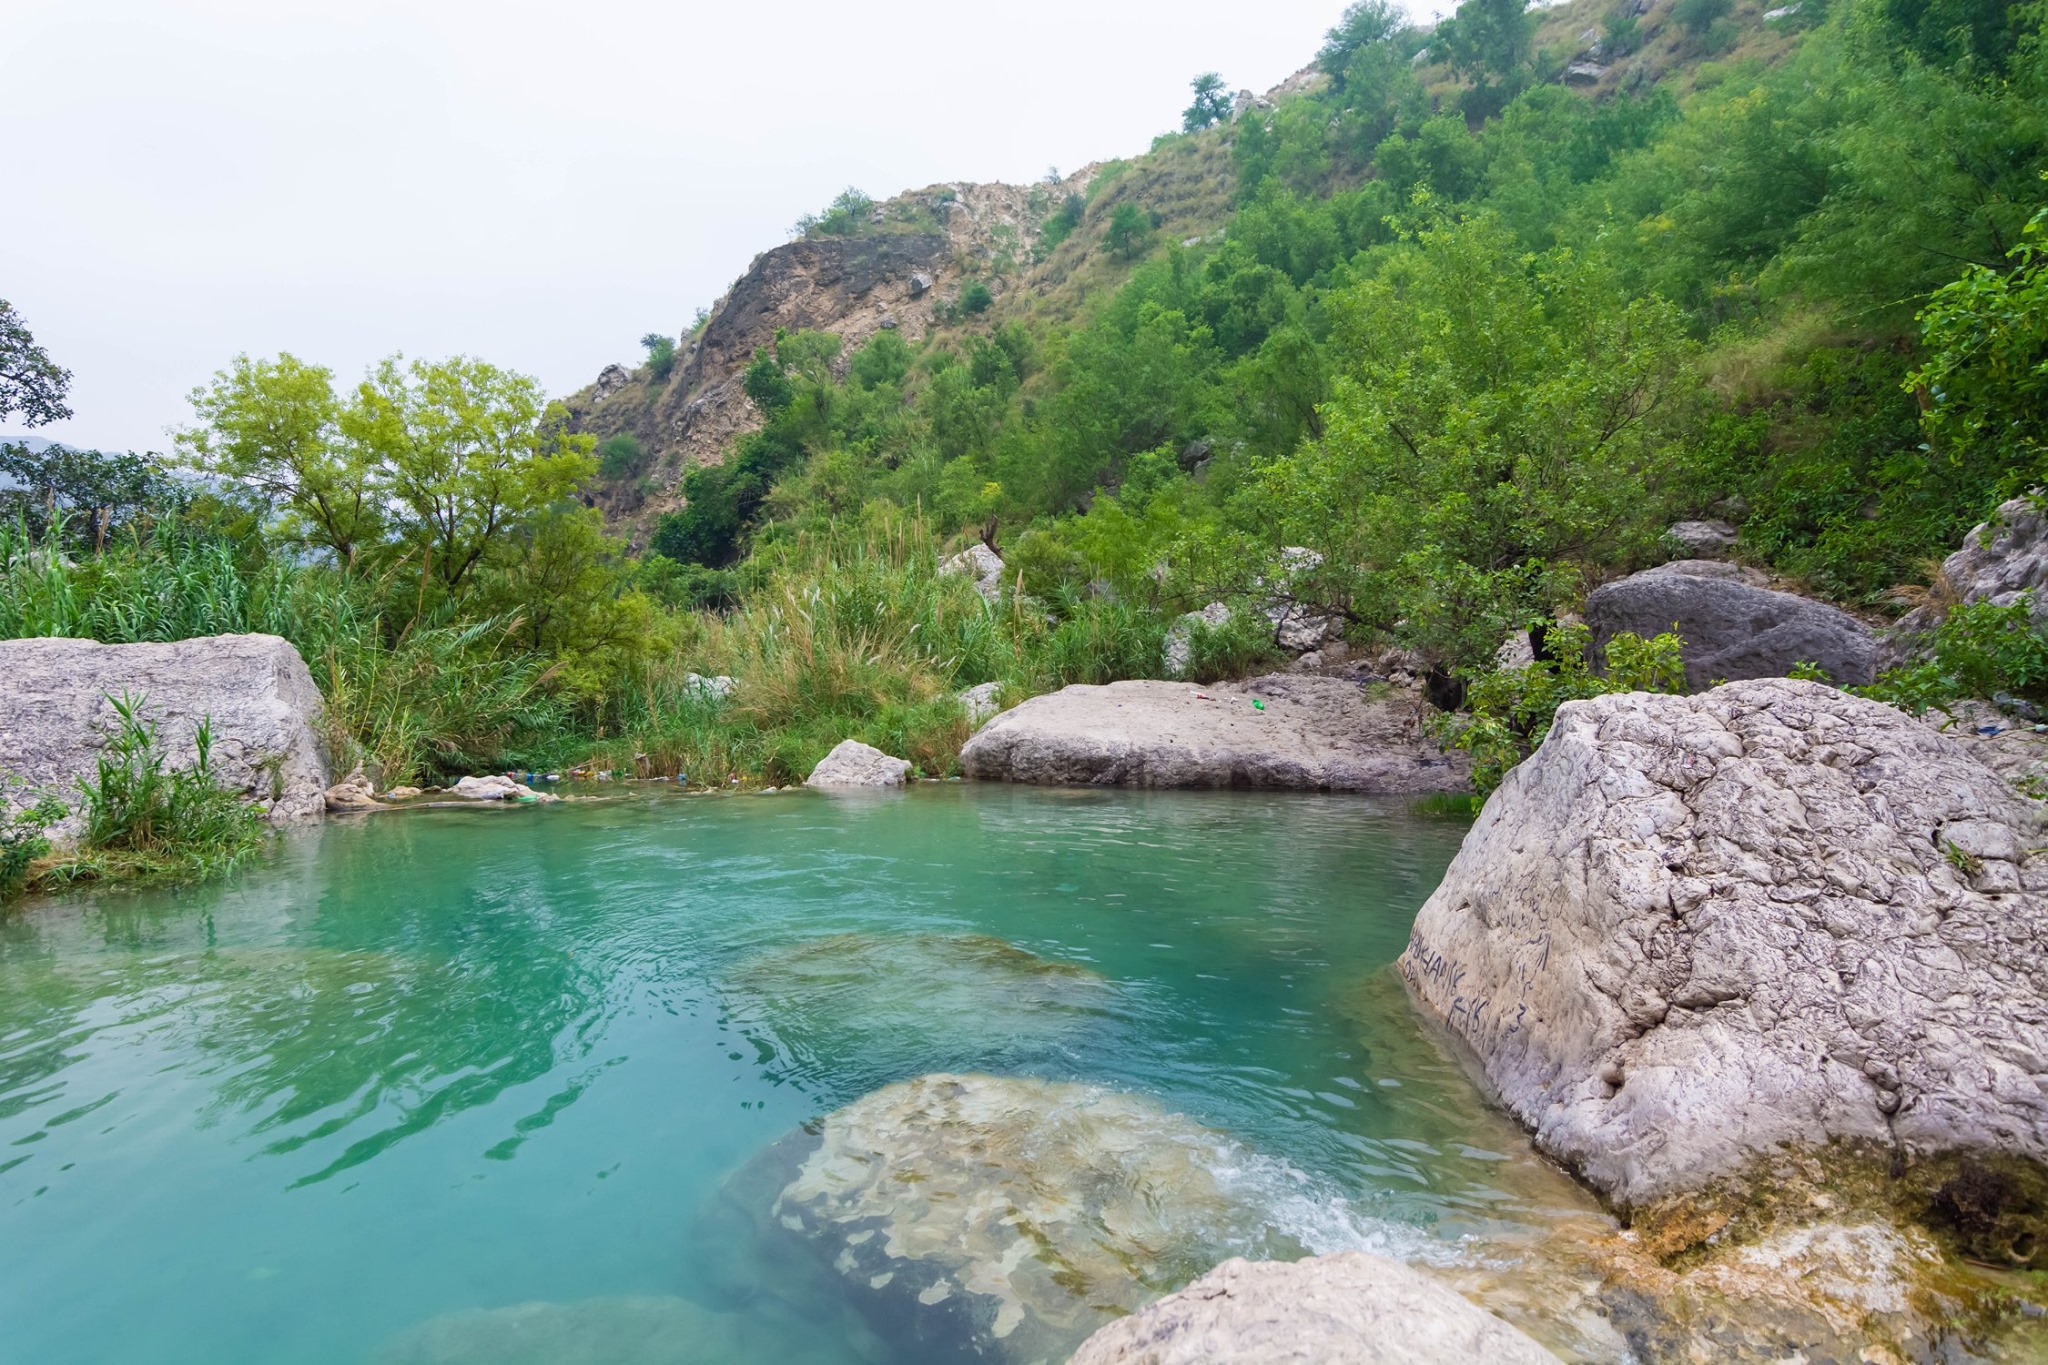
(534, 184)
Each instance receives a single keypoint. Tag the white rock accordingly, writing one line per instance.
(854, 764)
(253, 690)
(1703, 539)
(1180, 637)
(1351, 1308)
(2003, 558)
(981, 564)
(495, 788)
(981, 701)
(716, 688)
(1305, 732)
(1690, 931)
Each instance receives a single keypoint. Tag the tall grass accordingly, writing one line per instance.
(427, 699)
(854, 634)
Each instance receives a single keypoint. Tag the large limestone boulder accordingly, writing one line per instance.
(1352, 1308)
(1733, 630)
(56, 716)
(1282, 731)
(1692, 933)
(1001, 1218)
(854, 764)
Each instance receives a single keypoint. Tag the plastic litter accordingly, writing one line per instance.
(1258, 705)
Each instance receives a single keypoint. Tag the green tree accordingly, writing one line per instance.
(30, 382)
(274, 426)
(1487, 42)
(1129, 231)
(620, 456)
(1985, 379)
(96, 492)
(465, 453)
(661, 354)
(1211, 103)
(1365, 24)
(848, 214)
(1496, 424)
(1697, 16)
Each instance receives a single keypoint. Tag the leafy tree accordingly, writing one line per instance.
(464, 454)
(30, 382)
(884, 360)
(1211, 104)
(848, 214)
(97, 492)
(1986, 373)
(1495, 422)
(274, 426)
(1487, 42)
(1129, 231)
(1697, 16)
(1061, 223)
(620, 456)
(1365, 24)
(661, 354)
(767, 385)
(975, 298)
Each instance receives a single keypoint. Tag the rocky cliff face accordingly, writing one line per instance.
(923, 248)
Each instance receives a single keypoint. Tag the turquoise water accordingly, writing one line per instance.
(419, 1065)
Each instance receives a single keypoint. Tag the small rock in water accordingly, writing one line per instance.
(853, 764)
(495, 788)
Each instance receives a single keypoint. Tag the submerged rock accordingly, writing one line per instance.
(1008, 1218)
(254, 692)
(854, 764)
(1690, 931)
(1353, 1308)
(1733, 630)
(1284, 731)
(855, 1004)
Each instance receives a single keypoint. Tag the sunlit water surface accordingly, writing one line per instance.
(419, 1065)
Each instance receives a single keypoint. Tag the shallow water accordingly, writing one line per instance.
(364, 1099)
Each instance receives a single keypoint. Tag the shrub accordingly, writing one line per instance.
(1129, 231)
(144, 820)
(661, 354)
(1979, 650)
(846, 215)
(24, 837)
(620, 456)
(975, 298)
(1697, 17)
(1511, 710)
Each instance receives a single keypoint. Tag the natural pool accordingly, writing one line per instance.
(364, 1100)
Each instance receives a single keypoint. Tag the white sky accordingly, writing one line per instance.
(534, 184)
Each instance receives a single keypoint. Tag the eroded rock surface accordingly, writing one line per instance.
(1733, 630)
(1310, 733)
(1690, 932)
(2002, 558)
(854, 764)
(1352, 1308)
(1006, 1219)
(254, 690)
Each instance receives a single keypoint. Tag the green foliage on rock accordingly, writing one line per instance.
(1510, 710)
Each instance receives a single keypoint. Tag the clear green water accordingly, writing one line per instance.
(444, 1061)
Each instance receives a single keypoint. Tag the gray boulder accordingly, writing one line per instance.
(1179, 650)
(854, 764)
(2002, 558)
(981, 701)
(610, 380)
(1692, 932)
(981, 564)
(1703, 538)
(1285, 731)
(1733, 630)
(55, 716)
(1352, 1308)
